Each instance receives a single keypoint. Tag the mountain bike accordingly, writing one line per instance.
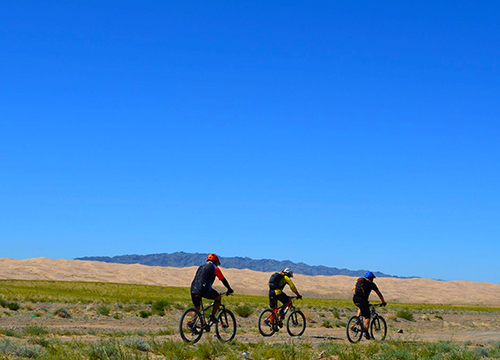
(194, 322)
(356, 327)
(271, 320)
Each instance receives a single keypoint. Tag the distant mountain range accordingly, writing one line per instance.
(182, 259)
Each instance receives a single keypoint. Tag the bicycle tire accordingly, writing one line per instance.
(296, 323)
(378, 328)
(190, 325)
(267, 322)
(226, 326)
(354, 329)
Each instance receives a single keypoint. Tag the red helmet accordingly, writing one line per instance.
(213, 258)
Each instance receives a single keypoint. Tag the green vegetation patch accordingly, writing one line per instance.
(405, 314)
(86, 292)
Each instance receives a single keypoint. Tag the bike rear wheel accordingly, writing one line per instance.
(191, 325)
(354, 329)
(225, 328)
(378, 328)
(267, 322)
(296, 323)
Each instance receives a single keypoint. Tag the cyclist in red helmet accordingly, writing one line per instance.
(202, 284)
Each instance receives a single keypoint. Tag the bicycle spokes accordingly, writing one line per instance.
(225, 329)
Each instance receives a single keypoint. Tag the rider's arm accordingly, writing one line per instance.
(380, 296)
(292, 286)
(226, 284)
(221, 277)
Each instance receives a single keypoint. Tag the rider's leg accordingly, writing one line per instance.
(364, 310)
(196, 303)
(217, 302)
(272, 300)
(285, 300)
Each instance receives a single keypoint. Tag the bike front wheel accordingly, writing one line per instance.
(225, 328)
(296, 323)
(267, 322)
(191, 325)
(354, 329)
(378, 328)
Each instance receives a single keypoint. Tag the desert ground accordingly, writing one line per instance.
(248, 282)
(428, 325)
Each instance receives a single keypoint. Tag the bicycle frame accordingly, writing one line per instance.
(285, 308)
(193, 322)
(356, 325)
(272, 319)
(203, 310)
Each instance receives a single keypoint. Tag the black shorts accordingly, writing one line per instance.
(362, 304)
(273, 299)
(196, 298)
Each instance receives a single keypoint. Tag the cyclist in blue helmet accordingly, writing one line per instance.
(361, 294)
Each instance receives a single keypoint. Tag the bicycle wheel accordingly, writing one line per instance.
(296, 323)
(354, 329)
(191, 326)
(226, 325)
(378, 328)
(267, 322)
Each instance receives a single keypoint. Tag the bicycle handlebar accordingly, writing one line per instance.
(377, 305)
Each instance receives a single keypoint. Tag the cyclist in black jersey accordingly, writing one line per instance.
(362, 291)
(201, 287)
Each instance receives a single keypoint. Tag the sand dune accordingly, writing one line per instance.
(252, 282)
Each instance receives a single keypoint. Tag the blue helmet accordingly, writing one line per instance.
(370, 275)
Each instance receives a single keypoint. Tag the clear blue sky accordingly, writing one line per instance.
(346, 134)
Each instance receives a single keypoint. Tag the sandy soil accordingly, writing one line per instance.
(252, 282)
(86, 323)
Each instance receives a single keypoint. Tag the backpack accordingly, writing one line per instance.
(274, 281)
(360, 287)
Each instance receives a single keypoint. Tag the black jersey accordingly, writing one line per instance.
(204, 278)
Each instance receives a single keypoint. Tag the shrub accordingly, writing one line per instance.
(130, 308)
(144, 314)
(243, 311)
(105, 350)
(137, 343)
(9, 332)
(335, 314)
(35, 330)
(62, 313)
(327, 324)
(160, 306)
(13, 306)
(8, 347)
(103, 310)
(166, 331)
(39, 341)
(405, 314)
